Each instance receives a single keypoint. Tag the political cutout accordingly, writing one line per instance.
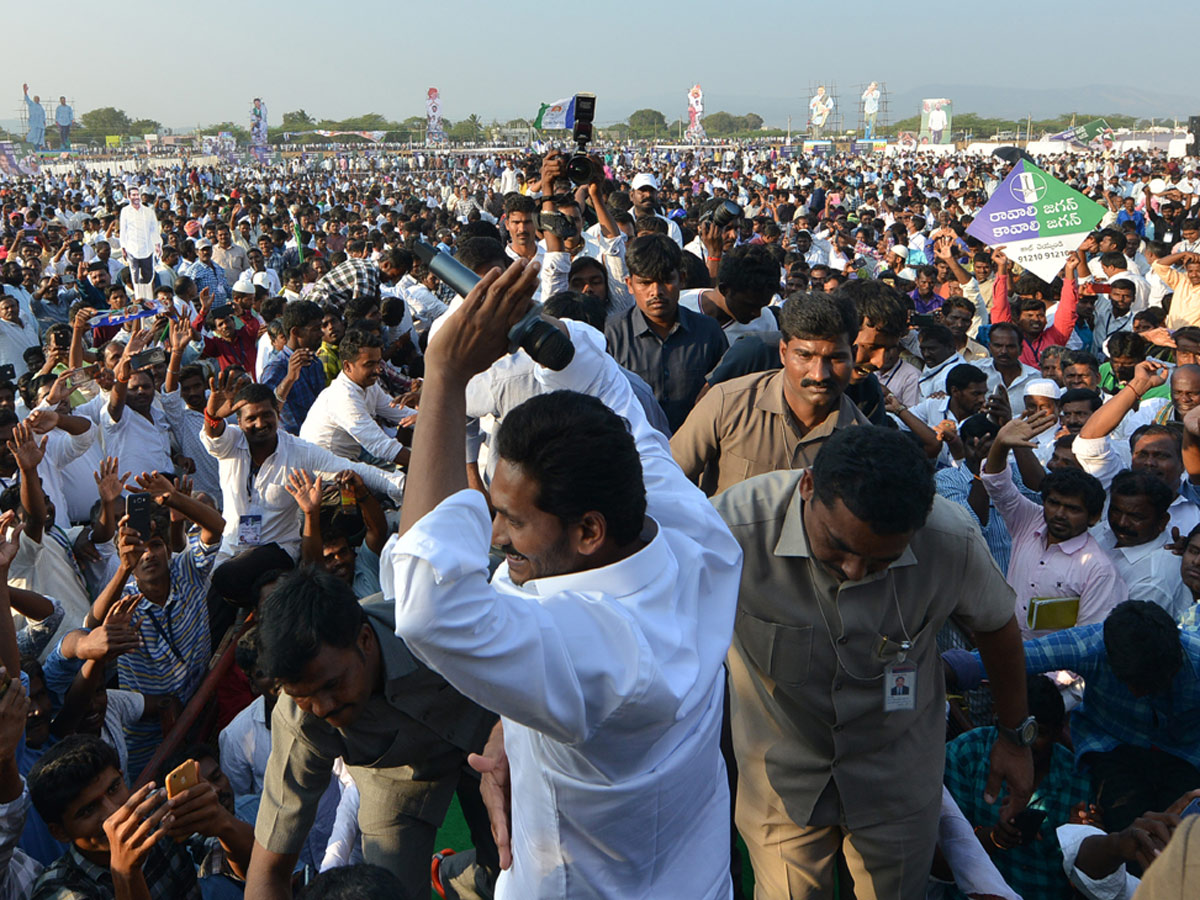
(1037, 218)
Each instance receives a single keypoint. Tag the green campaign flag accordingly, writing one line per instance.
(1083, 134)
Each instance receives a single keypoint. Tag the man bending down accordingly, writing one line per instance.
(601, 637)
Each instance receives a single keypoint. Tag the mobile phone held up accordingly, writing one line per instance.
(186, 775)
(148, 358)
(137, 507)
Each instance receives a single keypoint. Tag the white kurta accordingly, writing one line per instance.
(609, 680)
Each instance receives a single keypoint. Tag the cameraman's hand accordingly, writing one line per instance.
(554, 165)
(476, 334)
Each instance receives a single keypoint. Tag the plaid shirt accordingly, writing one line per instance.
(1110, 715)
(18, 871)
(352, 278)
(300, 398)
(1033, 870)
(208, 277)
(169, 871)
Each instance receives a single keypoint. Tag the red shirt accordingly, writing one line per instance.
(241, 351)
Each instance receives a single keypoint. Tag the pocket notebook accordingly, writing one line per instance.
(1052, 613)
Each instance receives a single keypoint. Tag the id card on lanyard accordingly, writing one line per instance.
(250, 524)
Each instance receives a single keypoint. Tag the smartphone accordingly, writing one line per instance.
(8, 372)
(84, 375)
(1190, 810)
(922, 320)
(187, 775)
(348, 498)
(148, 358)
(1028, 821)
(137, 507)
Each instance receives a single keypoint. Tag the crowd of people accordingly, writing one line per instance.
(832, 530)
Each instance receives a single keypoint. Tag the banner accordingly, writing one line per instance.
(559, 114)
(369, 135)
(1096, 130)
(258, 130)
(434, 134)
(1038, 219)
(695, 129)
(112, 140)
(937, 117)
(121, 316)
(13, 165)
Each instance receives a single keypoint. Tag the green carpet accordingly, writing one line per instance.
(455, 835)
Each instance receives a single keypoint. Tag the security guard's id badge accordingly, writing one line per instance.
(899, 687)
(250, 530)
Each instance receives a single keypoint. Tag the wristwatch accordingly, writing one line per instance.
(1023, 735)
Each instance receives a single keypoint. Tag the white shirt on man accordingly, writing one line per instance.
(142, 444)
(265, 496)
(342, 420)
(608, 680)
(140, 235)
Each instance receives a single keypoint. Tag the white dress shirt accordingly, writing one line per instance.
(61, 450)
(267, 496)
(609, 680)
(1016, 390)
(1149, 570)
(342, 420)
(933, 378)
(142, 444)
(765, 322)
(16, 339)
(140, 235)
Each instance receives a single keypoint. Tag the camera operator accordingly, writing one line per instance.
(621, 619)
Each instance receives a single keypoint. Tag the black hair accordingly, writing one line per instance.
(481, 253)
(815, 315)
(1006, 326)
(1142, 644)
(519, 203)
(256, 393)
(1128, 344)
(64, 770)
(653, 256)
(958, 303)
(577, 306)
(197, 751)
(1046, 704)
(300, 314)
(308, 608)
(361, 882)
(245, 654)
(1173, 430)
(977, 426)
(1029, 285)
(938, 333)
(582, 457)
(692, 270)
(1080, 358)
(749, 268)
(1078, 395)
(881, 476)
(962, 375)
(880, 306)
(355, 340)
(357, 308)
(1130, 483)
(1075, 483)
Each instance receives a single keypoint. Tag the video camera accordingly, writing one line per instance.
(547, 345)
(581, 169)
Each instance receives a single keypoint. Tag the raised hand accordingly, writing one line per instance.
(1147, 375)
(14, 707)
(181, 335)
(115, 635)
(221, 391)
(61, 389)
(42, 421)
(130, 546)
(82, 318)
(108, 482)
(1021, 432)
(25, 449)
(10, 541)
(305, 489)
(156, 484)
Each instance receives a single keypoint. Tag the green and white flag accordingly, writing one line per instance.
(559, 114)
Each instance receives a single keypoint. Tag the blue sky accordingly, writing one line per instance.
(500, 59)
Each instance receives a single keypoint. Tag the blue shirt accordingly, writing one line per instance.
(300, 398)
(1109, 714)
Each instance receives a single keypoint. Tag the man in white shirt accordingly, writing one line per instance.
(132, 428)
(140, 242)
(254, 460)
(601, 638)
(1139, 507)
(342, 418)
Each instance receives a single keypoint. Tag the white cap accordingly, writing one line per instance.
(261, 280)
(643, 180)
(1043, 387)
(900, 250)
(244, 284)
(203, 242)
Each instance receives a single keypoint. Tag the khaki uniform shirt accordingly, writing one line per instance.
(744, 427)
(404, 751)
(806, 668)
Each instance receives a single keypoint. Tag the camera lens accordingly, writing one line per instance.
(547, 345)
(580, 169)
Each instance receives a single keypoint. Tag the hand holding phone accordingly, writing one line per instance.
(186, 775)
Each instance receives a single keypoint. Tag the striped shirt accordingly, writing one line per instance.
(175, 641)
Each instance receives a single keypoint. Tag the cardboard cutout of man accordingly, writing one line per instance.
(141, 241)
(37, 120)
(64, 118)
(870, 99)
